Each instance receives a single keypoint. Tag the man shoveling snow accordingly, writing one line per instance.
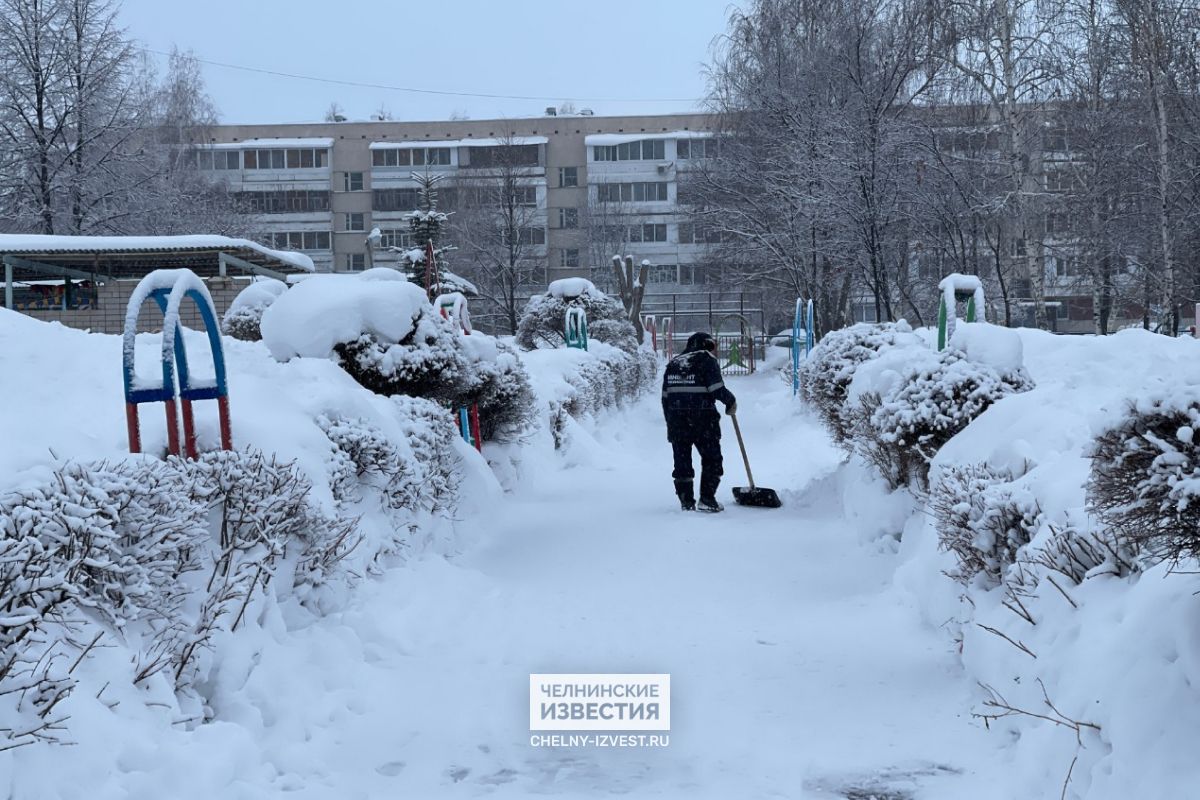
(691, 386)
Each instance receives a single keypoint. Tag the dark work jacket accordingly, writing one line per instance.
(691, 386)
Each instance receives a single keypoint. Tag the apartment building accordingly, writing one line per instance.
(321, 188)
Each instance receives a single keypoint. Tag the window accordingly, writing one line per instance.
(568, 218)
(219, 159)
(414, 157)
(649, 232)
(649, 192)
(395, 237)
(503, 155)
(1056, 223)
(568, 176)
(356, 262)
(696, 148)
(290, 158)
(691, 233)
(662, 273)
(356, 221)
(298, 240)
(353, 181)
(643, 150)
(568, 257)
(525, 195)
(531, 236)
(690, 274)
(284, 201)
(395, 199)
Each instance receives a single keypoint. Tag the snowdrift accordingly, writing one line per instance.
(330, 483)
(1085, 653)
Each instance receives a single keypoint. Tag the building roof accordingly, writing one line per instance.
(35, 255)
(468, 142)
(268, 142)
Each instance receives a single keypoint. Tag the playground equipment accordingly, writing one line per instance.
(453, 306)
(168, 288)
(804, 323)
(738, 348)
(668, 332)
(650, 325)
(576, 328)
(956, 288)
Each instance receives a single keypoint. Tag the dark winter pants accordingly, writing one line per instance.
(710, 463)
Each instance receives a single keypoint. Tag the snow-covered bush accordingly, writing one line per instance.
(1080, 554)
(429, 362)
(431, 482)
(500, 385)
(983, 519)
(826, 374)
(1145, 476)
(543, 322)
(243, 318)
(391, 340)
(901, 431)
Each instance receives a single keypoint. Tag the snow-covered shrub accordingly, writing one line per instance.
(243, 318)
(500, 385)
(429, 362)
(543, 322)
(983, 519)
(1079, 554)
(901, 431)
(430, 484)
(826, 374)
(1145, 476)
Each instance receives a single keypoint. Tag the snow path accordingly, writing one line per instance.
(797, 671)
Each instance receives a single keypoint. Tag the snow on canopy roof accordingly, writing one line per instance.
(42, 244)
(311, 141)
(622, 138)
(513, 140)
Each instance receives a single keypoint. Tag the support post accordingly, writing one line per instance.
(8, 285)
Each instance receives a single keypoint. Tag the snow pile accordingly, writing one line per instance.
(323, 311)
(168, 567)
(243, 319)
(1042, 540)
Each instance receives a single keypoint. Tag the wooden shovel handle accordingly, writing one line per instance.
(742, 446)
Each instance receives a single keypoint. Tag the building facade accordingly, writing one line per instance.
(594, 186)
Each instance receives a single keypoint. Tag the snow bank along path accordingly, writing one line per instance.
(797, 671)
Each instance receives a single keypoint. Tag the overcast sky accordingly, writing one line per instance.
(607, 55)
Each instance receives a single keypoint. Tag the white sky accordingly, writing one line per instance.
(603, 54)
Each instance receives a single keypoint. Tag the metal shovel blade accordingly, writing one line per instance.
(756, 496)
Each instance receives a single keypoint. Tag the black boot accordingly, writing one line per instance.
(708, 493)
(687, 495)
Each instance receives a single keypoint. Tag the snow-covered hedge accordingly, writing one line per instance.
(984, 519)
(383, 332)
(825, 376)
(543, 322)
(579, 384)
(1145, 476)
(243, 318)
(901, 430)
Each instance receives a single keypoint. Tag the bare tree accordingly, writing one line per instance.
(499, 228)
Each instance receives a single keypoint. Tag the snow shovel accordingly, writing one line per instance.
(751, 495)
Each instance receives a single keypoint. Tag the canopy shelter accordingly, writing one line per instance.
(37, 258)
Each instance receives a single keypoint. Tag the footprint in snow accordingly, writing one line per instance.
(390, 769)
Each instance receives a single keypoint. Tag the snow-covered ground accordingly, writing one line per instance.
(813, 651)
(797, 669)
